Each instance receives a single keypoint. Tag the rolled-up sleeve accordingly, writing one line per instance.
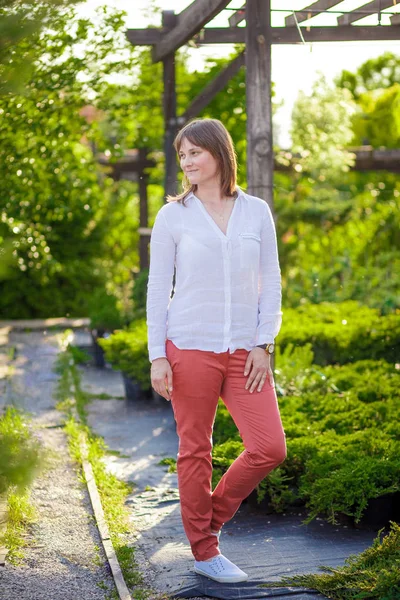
(159, 286)
(269, 283)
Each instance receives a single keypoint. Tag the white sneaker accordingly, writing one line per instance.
(220, 569)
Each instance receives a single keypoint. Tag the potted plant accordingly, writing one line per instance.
(105, 318)
(127, 351)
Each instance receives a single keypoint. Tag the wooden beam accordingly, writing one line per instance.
(258, 100)
(371, 8)
(280, 35)
(237, 17)
(190, 21)
(144, 37)
(215, 86)
(317, 8)
(367, 159)
(290, 35)
(372, 159)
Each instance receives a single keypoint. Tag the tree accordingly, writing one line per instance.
(53, 199)
(379, 109)
(375, 74)
(375, 87)
(321, 131)
(23, 21)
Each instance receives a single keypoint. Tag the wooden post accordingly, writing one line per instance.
(259, 106)
(170, 120)
(143, 212)
(258, 100)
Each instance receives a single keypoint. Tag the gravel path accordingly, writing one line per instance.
(64, 559)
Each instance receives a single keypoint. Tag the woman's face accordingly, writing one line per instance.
(198, 164)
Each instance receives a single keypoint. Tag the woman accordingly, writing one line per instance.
(214, 337)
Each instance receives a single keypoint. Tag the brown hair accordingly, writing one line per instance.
(211, 135)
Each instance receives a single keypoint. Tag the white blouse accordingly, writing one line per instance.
(228, 287)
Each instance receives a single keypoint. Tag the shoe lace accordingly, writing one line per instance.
(217, 565)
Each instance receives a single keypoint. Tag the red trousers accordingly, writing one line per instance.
(199, 378)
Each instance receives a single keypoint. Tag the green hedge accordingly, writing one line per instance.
(341, 333)
(343, 437)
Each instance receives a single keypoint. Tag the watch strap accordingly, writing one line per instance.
(266, 347)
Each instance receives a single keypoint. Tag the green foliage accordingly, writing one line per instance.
(139, 294)
(170, 462)
(53, 202)
(340, 333)
(375, 88)
(20, 514)
(374, 74)
(340, 244)
(379, 109)
(103, 311)
(225, 452)
(321, 130)
(21, 21)
(21, 456)
(277, 487)
(79, 356)
(373, 574)
(127, 351)
(341, 425)
(347, 471)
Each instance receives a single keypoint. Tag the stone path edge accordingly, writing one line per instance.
(115, 567)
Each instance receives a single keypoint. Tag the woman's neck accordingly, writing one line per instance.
(211, 194)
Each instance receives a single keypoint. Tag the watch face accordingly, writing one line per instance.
(271, 348)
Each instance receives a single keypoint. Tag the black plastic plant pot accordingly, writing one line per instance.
(380, 511)
(157, 397)
(133, 391)
(98, 352)
(258, 507)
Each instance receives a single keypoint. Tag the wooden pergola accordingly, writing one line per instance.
(258, 36)
(133, 167)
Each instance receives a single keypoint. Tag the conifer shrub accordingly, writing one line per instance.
(343, 332)
(343, 438)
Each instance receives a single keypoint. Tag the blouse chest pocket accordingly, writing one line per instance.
(250, 236)
(250, 243)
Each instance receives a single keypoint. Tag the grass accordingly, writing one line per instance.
(21, 459)
(20, 514)
(373, 574)
(171, 462)
(113, 492)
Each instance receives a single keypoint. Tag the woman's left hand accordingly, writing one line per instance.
(258, 364)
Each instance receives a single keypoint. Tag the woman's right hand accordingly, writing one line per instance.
(161, 377)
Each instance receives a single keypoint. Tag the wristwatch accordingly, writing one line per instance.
(269, 348)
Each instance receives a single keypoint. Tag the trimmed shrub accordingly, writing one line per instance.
(126, 350)
(343, 437)
(341, 333)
